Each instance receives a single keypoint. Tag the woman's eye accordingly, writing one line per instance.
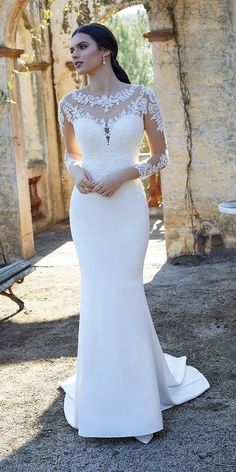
(83, 46)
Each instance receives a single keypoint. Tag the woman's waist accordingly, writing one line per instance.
(129, 187)
(130, 193)
(101, 167)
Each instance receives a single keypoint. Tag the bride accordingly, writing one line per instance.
(123, 380)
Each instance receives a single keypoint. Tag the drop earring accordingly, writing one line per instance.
(104, 59)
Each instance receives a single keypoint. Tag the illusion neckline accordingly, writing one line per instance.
(112, 96)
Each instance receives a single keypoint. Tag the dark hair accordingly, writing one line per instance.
(105, 39)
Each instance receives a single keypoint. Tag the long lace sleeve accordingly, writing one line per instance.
(72, 155)
(73, 166)
(61, 116)
(153, 125)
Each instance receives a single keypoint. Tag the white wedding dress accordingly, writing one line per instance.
(123, 380)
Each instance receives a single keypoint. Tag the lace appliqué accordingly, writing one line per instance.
(146, 102)
(60, 115)
(146, 168)
(65, 108)
(154, 109)
(104, 101)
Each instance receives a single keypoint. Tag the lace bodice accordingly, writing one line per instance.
(109, 129)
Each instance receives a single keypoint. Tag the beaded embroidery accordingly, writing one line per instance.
(78, 105)
(139, 107)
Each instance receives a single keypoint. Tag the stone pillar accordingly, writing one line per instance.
(178, 235)
(15, 215)
(207, 45)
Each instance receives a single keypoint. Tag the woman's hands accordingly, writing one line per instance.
(109, 184)
(86, 183)
(105, 187)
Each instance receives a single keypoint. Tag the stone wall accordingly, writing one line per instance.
(207, 39)
(15, 219)
(9, 203)
(65, 78)
(207, 32)
(38, 117)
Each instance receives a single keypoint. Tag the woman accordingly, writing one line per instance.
(123, 380)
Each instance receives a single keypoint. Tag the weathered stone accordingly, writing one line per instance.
(207, 47)
(208, 50)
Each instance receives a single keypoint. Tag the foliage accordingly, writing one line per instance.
(45, 17)
(4, 98)
(134, 54)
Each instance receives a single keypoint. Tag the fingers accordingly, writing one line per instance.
(101, 190)
(85, 186)
(88, 175)
(96, 188)
(106, 194)
(81, 189)
(88, 183)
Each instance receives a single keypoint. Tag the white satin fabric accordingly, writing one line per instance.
(123, 379)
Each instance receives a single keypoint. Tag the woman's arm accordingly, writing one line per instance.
(73, 155)
(153, 125)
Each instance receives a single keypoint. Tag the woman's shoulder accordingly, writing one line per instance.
(147, 89)
(66, 97)
(144, 90)
(75, 94)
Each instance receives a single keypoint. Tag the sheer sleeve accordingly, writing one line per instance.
(72, 154)
(61, 116)
(153, 125)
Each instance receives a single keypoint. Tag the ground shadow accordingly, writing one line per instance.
(192, 309)
(52, 238)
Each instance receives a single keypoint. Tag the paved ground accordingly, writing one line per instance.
(192, 309)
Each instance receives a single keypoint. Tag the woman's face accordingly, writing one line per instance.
(85, 54)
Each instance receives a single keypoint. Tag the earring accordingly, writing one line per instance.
(104, 59)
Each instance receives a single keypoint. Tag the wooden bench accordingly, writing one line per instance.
(14, 273)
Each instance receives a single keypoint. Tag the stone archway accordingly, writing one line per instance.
(24, 230)
(210, 86)
(13, 11)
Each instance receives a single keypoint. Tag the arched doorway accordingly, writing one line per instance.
(21, 218)
(34, 125)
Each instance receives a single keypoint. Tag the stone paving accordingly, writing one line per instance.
(192, 309)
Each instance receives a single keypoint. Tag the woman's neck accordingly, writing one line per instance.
(104, 83)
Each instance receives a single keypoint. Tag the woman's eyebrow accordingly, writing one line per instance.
(82, 42)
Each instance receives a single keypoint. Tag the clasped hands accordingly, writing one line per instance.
(106, 186)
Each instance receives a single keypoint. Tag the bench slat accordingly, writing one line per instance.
(12, 269)
(21, 274)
